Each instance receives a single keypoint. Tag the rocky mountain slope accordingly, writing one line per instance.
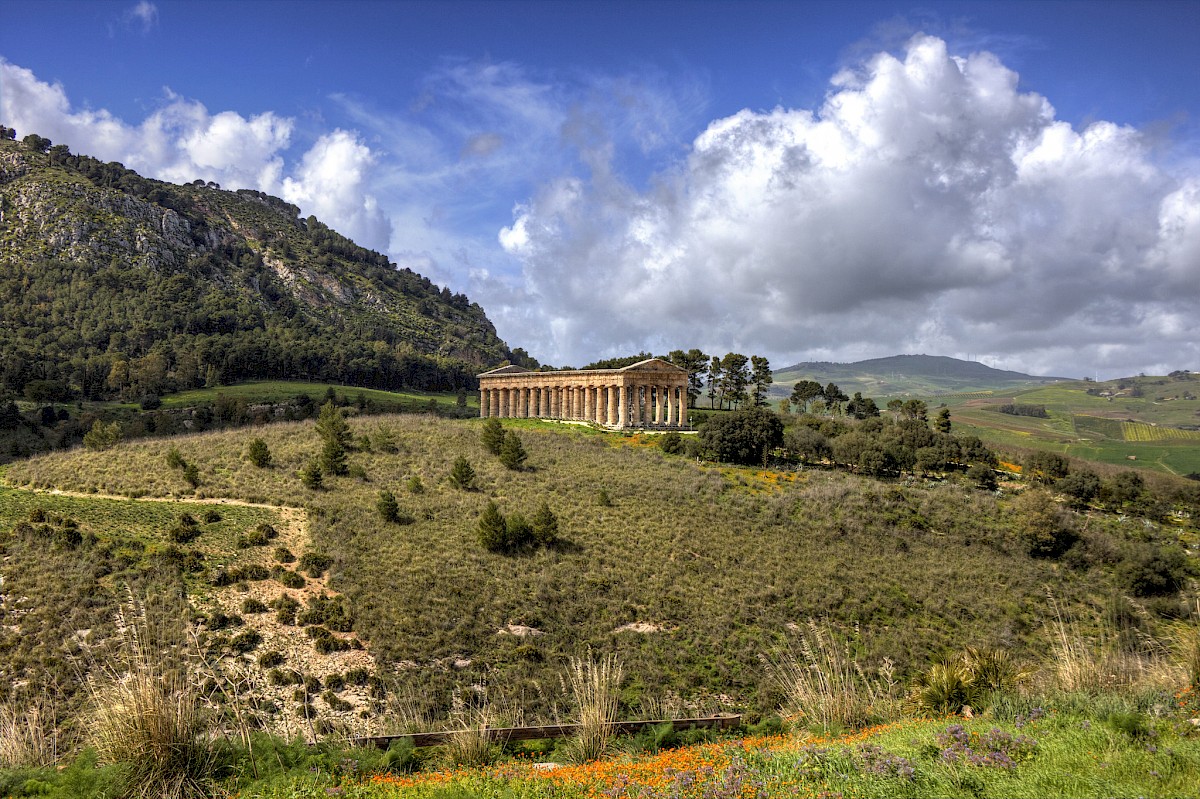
(114, 284)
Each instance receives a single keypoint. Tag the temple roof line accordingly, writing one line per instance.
(648, 365)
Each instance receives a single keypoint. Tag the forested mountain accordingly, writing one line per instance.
(114, 285)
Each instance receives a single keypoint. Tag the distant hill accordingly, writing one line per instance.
(914, 375)
(116, 286)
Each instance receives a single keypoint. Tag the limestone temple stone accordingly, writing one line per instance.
(647, 394)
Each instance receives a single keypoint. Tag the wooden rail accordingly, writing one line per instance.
(504, 734)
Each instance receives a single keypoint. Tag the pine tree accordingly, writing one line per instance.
(493, 530)
(942, 423)
(512, 453)
(545, 526)
(461, 474)
(335, 435)
(310, 475)
(492, 435)
(258, 453)
(388, 508)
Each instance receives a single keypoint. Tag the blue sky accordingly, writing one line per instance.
(1015, 181)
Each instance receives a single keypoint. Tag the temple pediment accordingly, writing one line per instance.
(505, 370)
(651, 365)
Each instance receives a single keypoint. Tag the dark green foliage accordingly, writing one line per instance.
(174, 459)
(335, 682)
(671, 443)
(492, 435)
(415, 486)
(102, 436)
(1045, 529)
(1020, 409)
(191, 473)
(982, 476)
(518, 532)
(1046, 468)
(285, 609)
(283, 555)
(212, 516)
(335, 439)
(310, 475)
(461, 474)
(492, 531)
(942, 423)
(1151, 570)
(744, 436)
(1124, 487)
(314, 564)
(603, 499)
(258, 453)
(512, 452)
(806, 445)
(331, 612)
(270, 659)
(245, 641)
(1081, 485)
(289, 579)
(387, 506)
(252, 605)
(545, 526)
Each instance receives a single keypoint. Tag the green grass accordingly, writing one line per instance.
(281, 390)
(719, 561)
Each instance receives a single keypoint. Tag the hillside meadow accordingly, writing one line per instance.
(690, 573)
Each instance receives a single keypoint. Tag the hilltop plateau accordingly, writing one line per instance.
(906, 375)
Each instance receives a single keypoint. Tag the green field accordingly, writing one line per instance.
(281, 390)
(1149, 431)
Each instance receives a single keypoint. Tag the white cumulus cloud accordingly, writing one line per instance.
(928, 205)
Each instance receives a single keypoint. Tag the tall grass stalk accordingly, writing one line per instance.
(825, 685)
(471, 743)
(147, 719)
(1103, 665)
(595, 684)
(28, 735)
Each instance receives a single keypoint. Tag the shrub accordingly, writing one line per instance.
(183, 534)
(335, 682)
(1046, 467)
(289, 579)
(518, 533)
(461, 474)
(258, 453)
(388, 509)
(285, 609)
(252, 605)
(415, 486)
(671, 443)
(335, 438)
(245, 641)
(284, 555)
(1082, 486)
(512, 453)
(603, 499)
(1152, 570)
(335, 702)
(1044, 528)
(270, 659)
(983, 476)
(102, 436)
(211, 516)
(191, 473)
(492, 435)
(314, 564)
(310, 475)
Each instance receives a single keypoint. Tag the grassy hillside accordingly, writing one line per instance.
(905, 376)
(1149, 422)
(691, 573)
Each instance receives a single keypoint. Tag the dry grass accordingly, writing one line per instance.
(825, 685)
(147, 718)
(1079, 664)
(595, 683)
(28, 735)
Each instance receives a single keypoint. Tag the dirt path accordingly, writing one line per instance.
(288, 640)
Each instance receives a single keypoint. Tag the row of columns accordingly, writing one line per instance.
(610, 405)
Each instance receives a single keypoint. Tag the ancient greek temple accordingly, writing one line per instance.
(647, 394)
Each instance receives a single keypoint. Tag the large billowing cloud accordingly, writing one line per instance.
(182, 141)
(927, 206)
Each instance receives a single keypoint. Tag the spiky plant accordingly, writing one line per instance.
(595, 684)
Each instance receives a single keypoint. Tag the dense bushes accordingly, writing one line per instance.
(743, 436)
(499, 534)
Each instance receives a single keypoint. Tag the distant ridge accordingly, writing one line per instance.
(906, 374)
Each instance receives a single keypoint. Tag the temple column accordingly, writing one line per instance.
(493, 402)
(659, 405)
(526, 401)
(683, 407)
(647, 406)
(622, 406)
(601, 405)
(587, 403)
(483, 406)
(610, 406)
(670, 420)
